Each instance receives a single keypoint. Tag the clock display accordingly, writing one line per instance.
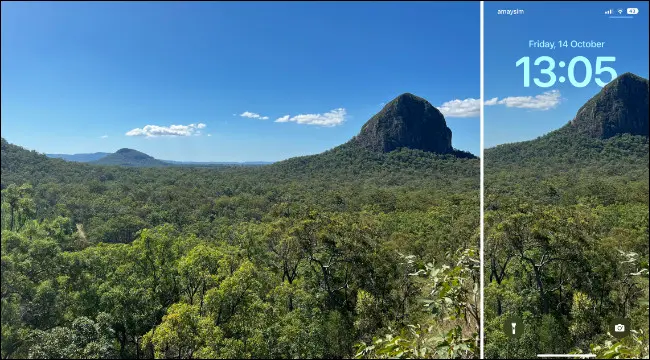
(600, 73)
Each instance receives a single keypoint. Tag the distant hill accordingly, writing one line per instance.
(129, 157)
(79, 157)
(91, 157)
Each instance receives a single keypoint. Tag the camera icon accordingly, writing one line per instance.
(619, 327)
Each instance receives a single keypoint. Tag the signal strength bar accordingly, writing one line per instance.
(609, 12)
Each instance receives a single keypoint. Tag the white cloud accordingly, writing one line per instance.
(104, 136)
(252, 115)
(472, 107)
(545, 101)
(332, 118)
(492, 101)
(209, 134)
(461, 108)
(173, 130)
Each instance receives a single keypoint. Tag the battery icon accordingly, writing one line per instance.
(632, 11)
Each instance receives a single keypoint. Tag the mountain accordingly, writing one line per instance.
(621, 107)
(79, 157)
(407, 135)
(407, 121)
(129, 157)
(608, 138)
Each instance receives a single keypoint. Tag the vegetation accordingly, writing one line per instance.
(348, 253)
(566, 228)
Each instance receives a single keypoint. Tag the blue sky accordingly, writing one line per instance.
(79, 77)
(532, 113)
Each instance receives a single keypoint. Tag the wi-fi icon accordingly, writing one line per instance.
(620, 11)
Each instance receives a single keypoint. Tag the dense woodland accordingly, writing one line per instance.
(344, 254)
(567, 244)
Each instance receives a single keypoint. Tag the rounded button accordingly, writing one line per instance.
(513, 327)
(619, 327)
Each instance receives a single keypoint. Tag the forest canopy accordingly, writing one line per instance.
(566, 244)
(348, 253)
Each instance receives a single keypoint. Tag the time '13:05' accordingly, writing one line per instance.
(549, 66)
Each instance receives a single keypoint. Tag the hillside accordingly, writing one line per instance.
(613, 123)
(351, 163)
(604, 142)
(408, 134)
(564, 151)
(129, 157)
